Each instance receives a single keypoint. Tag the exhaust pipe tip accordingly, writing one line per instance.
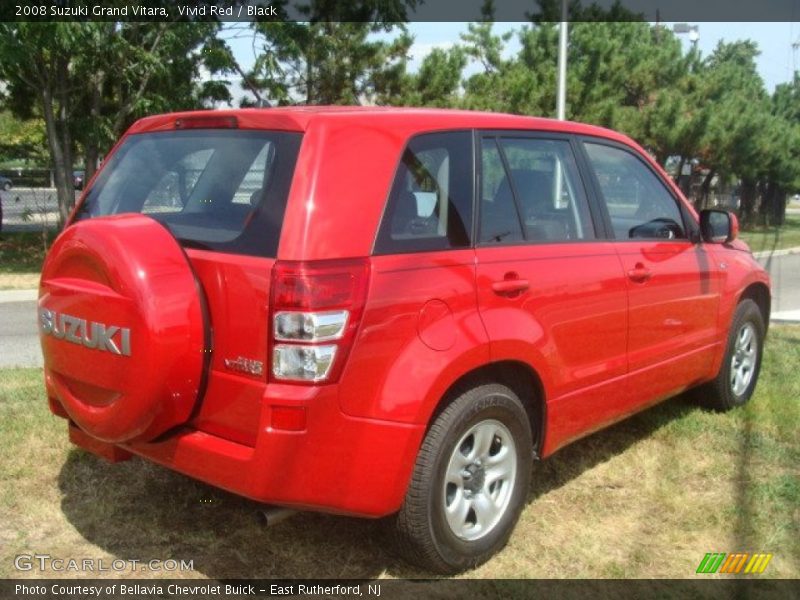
(272, 515)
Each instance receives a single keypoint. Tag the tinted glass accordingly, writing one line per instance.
(548, 190)
(215, 189)
(499, 221)
(530, 190)
(430, 203)
(639, 204)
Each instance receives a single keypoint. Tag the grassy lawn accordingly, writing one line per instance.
(646, 498)
(21, 257)
(773, 238)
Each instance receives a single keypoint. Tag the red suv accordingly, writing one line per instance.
(385, 312)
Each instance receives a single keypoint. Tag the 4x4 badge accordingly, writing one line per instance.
(90, 334)
(245, 365)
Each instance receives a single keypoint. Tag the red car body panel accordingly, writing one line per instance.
(740, 274)
(420, 333)
(574, 336)
(601, 345)
(237, 292)
(672, 317)
(310, 469)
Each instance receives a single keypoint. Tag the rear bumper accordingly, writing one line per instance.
(338, 464)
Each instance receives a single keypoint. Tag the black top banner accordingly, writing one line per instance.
(402, 10)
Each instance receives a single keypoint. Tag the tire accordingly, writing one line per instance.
(738, 375)
(7, 186)
(491, 414)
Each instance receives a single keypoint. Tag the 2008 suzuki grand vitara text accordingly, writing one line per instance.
(386, 312)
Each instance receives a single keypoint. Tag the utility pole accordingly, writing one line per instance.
(692, 30)
(561, 97)
(561, 100)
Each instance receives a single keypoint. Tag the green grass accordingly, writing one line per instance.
(22, 252)
(762, 239)
(646, 498)
(21, 258)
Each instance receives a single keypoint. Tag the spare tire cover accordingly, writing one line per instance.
(124, 329)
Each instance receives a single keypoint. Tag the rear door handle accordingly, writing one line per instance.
(510, 286)
(639, 273)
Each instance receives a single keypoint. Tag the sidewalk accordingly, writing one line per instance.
(784, 252)
(18, 295)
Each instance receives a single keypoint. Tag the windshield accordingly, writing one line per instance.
(215, 189)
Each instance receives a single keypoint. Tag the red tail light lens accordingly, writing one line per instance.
(320, 284)
(314, 302)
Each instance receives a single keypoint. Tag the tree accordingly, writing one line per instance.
(135, 69)
(22, 140)
(502, 84)
(436, 83)
(35, 63)
(784, 165)
(326, 62)
(333, 57)
(627, 75)
(633, 77)
(735, 112)
(91, 80)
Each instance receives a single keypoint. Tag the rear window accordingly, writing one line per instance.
(222, 190)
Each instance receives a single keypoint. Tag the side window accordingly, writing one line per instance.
(430, 203)
(500, 220)
(532, 182)
(639, 204)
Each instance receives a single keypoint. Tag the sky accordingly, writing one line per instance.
(776, 63)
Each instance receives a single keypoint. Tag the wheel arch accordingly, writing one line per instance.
(517, 375)
(759, 293)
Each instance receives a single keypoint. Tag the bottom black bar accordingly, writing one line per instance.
(390, 589)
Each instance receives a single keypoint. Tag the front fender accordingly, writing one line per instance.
(742, 272)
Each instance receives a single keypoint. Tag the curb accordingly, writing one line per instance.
(18, 295)
(785, 316)
(784, 252)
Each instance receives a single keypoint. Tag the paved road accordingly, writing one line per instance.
(19, 341)
(785, 273)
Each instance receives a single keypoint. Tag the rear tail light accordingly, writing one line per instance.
(310, 326)
(316, 309)
(302, 362)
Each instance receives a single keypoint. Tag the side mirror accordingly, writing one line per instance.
(718, 226)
